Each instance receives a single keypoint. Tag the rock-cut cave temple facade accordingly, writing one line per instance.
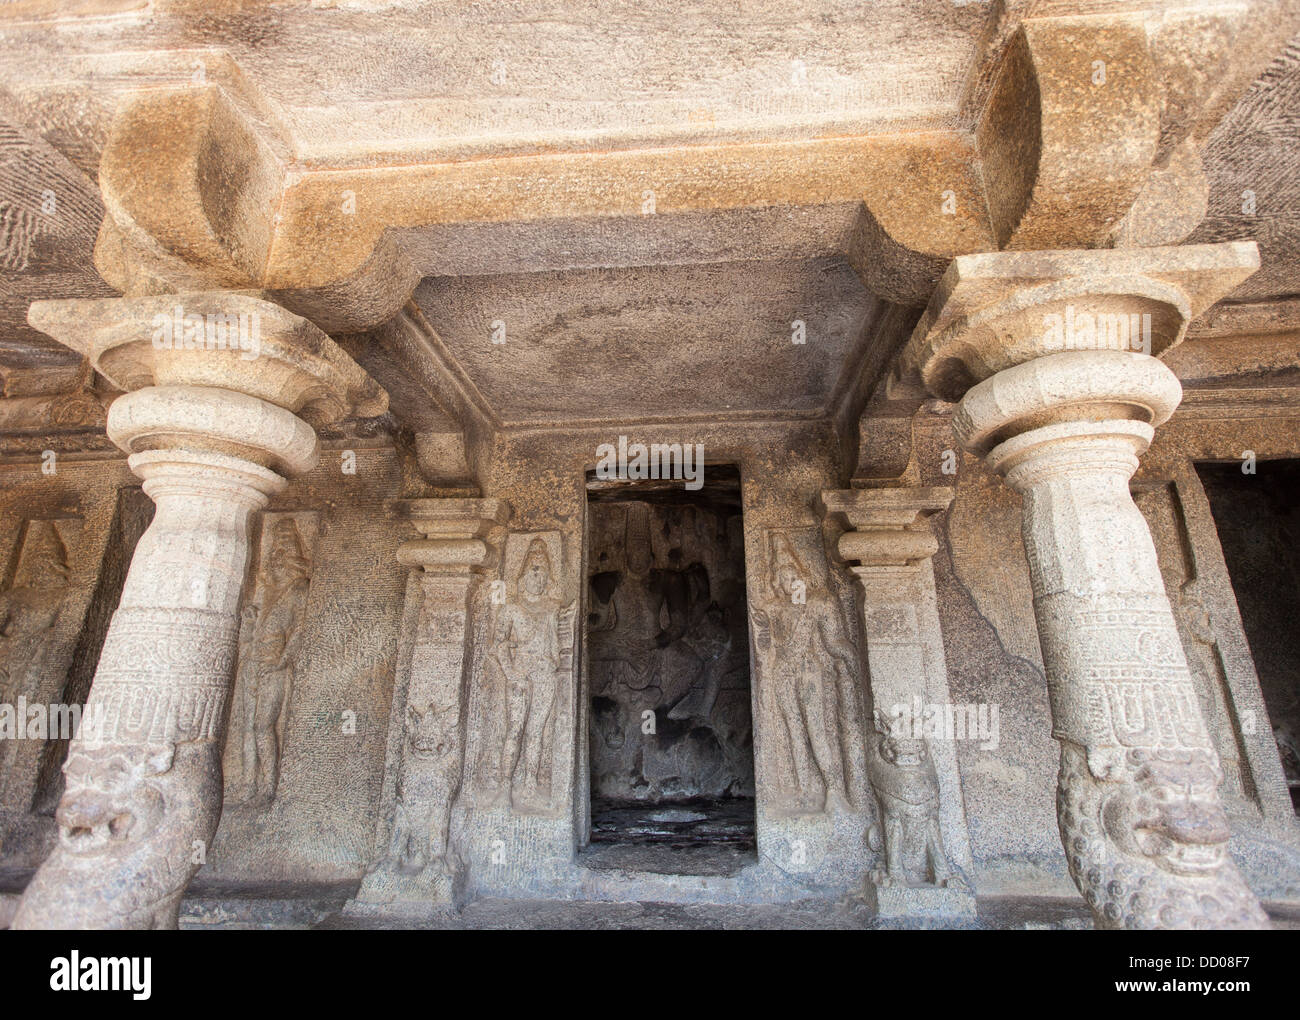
(715, 454)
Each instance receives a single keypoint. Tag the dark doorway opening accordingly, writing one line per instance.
(670, 725)
(1258, 520)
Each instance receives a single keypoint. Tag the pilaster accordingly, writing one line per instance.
(419, 869)
(921, 830)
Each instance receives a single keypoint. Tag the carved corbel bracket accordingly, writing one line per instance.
(191, 185)
(885, 527)
(458, 536)
(1089, 133)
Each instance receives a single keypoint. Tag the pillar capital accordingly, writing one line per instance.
(1061, 389)
(223, 373)
(885, 527)
(227, 340)
(458, 536)
(995, 311)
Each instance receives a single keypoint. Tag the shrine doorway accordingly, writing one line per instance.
(670, 720)
(1257, 515)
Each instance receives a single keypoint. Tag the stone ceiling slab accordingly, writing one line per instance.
(654, 343)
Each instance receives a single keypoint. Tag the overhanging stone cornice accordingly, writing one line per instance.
(195, 191)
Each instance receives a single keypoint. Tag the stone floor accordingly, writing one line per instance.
(322, 908)
(701, 836)
(510, 914)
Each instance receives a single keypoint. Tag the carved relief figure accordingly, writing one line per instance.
(906, 786)
(272, 637)
(429, 772)
(642, 612)
(29, 610)
(30, 607)
(426, 784)
(1211, 685)
(114, 816)
(803, 657)
(531, 648)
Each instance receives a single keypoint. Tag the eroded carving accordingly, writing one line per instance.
(531, 660)
(1147, 841)
(1211, 677)
(118, 813)
(30, 606)
(429, 774)
(906, 831)
(29, 611)
(270, 641)
(804, 660)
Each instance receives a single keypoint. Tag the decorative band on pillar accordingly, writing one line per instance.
(1053, 356)
(212, 432)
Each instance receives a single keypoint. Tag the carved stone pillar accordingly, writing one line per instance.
(212, 428)
(418, 869)
(911, 758)
(1054, 358)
